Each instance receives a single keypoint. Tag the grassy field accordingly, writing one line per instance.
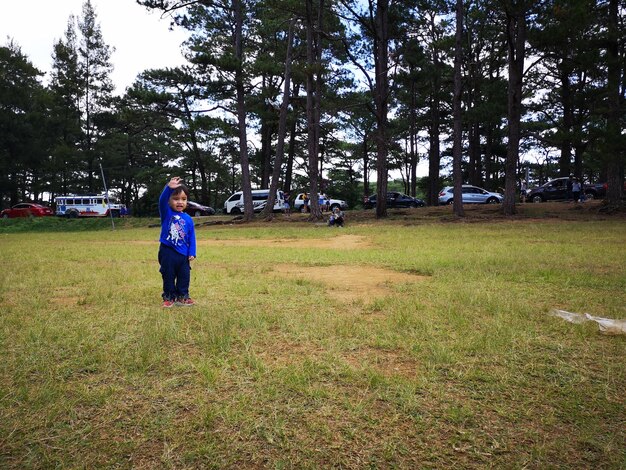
(417, 342)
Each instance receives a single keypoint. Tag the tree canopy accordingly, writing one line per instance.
(326, 96)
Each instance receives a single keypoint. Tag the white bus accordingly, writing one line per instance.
(91, 205)
(234, 204)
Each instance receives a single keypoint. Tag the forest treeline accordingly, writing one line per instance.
(325, 95)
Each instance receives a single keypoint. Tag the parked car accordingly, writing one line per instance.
(471, 195)
(26, 209)
(556, 190)
(596, 190)
(298, 202)
(394, 200)
(196, 210)
(234, 204)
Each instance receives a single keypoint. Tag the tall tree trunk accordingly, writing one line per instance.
(516, 42)
(313, 39)
(291, 148)
(195, 149)
(265, 155)
(413, 139)
(316, 210)
(456, 110)
(88, 138)
(475, 167)
(381, 100)
(291, 152)
(366, 166)
(434, 158)
(282, 127)
(248, 207)
(434, 154)
(614, 138)
(565, 158)
(488, 162)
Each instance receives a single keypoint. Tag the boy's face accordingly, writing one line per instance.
(178, 202)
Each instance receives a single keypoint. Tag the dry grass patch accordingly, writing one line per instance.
(66, 297)
(343, 242)
(282, 353)
(385, 362)
(350, 283)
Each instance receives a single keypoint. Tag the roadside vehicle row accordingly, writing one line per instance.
(97, 205)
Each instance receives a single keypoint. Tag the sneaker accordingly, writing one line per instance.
(168, 303)
(186, 302)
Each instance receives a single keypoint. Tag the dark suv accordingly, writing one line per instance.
(394, 200)
(556, 190)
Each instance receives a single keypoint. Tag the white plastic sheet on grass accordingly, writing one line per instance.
(606, 326)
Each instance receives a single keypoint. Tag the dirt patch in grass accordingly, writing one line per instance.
(283, 353)
(66, 297)
(65, 301)
(386, 362)
(349, 283)
(343, 242)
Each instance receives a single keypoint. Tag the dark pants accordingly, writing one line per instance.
(338, 221)
(176, 273)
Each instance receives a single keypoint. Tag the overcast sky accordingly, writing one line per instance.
(141, 37)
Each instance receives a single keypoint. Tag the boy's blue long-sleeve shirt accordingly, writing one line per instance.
(177, 230)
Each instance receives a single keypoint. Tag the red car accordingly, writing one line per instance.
(26, 209)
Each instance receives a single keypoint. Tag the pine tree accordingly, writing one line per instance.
(24, 139)
(456, 110)
(66, 91)
(94, 70)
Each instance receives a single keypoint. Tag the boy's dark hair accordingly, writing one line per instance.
(181, 189)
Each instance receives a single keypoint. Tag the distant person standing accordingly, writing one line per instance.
(576, 189)
(523, 190)
(326, 202)
(286, 206)
(323, 200)
(305, 202)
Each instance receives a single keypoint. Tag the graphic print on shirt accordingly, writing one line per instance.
(177, 230)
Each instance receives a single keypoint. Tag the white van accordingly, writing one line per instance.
(234, 204)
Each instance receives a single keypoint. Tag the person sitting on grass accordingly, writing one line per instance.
(178, 244)
(336, 218)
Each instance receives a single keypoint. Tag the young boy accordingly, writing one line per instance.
(178, 244)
